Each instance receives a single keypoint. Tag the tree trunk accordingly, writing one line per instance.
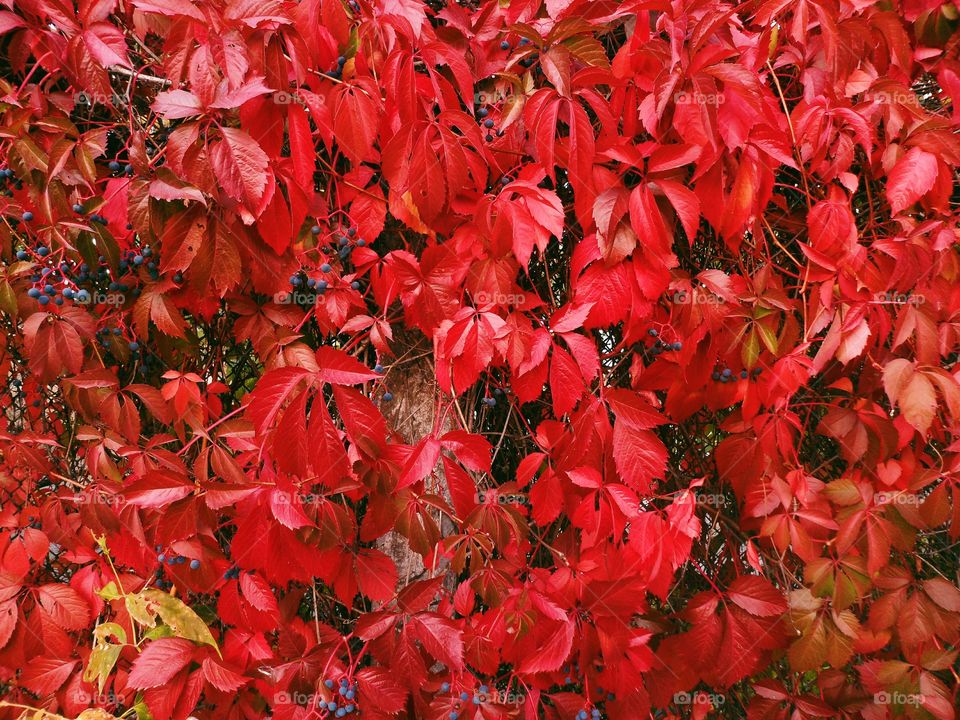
(412, 413)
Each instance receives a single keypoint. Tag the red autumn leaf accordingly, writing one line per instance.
(159, 661)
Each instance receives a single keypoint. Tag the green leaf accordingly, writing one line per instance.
(104, 654)
(109, 591)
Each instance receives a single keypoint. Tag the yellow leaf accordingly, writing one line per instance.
(182, 620)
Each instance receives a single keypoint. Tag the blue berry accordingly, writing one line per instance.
(715, 375)
(178, 278)
(128, 169)
(488, 123)
(331, 706)
(476, 699)
(294, 280)
(322, 285)
(504, 45)
(34, 293)
(582, 715)
(326, 267)
(727, 372)
(351, 231)
(355, 285)
(445, 687)
(343, 240)
(341, 61)
(22, 254)
(315, 230)
(743, 374)
(483, 112)
(652, 332)
(43, 299)
(350, 694)
(43, 251)
(387, 396)
(328, 682)
(147, 252)
(489, 401)
(341, 712)
(464, 696)
(194, 564)
(453, 715)
(171, 560)
(161, 557)
(138, 259)
(378, 368)
(27, 216)
(77, 208)
(113, 165)
(134, 346)
(361, 242)
(524, 41)
(181, 560)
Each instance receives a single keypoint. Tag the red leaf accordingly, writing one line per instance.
(910, 179)
(241, 167)
(258, 593)
(640, 456)
(271, 392)
(757, 596)
(421, 462)
(65, 605)
(160, 660)
(338, 368)
(44, 676)
(376, 575)
(566, 382)
(442, 638)
(222, 678)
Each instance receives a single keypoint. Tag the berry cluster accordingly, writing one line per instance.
(660, 347)
(478, 697)
(348, 695)
(338, 73)
(176, 559)
(5, 176)
(726, 375)
(58, 280)
(115, 167)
